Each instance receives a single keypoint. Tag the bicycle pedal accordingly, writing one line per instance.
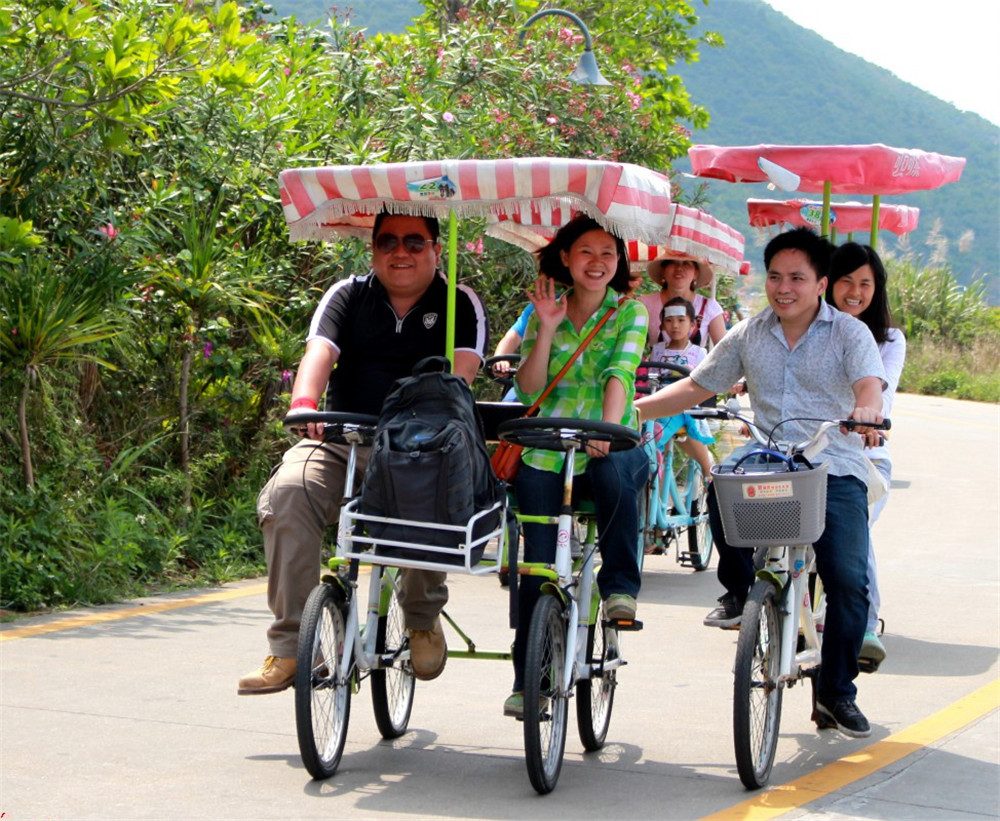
(625, 625)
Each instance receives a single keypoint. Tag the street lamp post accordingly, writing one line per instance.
(586, 71)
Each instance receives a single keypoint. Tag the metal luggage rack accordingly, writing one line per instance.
(461, 558)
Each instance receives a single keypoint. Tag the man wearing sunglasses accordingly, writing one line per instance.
(367, 332)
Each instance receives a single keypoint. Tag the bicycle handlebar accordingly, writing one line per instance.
(768, 440)
(340, 427)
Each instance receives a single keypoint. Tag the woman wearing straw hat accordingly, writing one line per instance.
(679, 275)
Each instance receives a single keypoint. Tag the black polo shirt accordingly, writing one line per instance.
(376, 347)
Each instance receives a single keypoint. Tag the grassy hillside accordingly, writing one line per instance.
(779, 83)
(776, 82)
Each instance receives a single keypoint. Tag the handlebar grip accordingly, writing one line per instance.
(851, 424)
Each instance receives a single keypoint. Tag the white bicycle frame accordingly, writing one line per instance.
(788, 568)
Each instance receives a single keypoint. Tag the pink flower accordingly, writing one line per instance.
(448, 117)
(634, 99)
(207, 350)
(286, 375)
(108, 230)
(551, 120)
(475, 247)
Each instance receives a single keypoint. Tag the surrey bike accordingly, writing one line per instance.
(774, 499)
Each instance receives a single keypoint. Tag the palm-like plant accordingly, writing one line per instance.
(46, 321)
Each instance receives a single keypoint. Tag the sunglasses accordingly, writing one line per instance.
(414, 243)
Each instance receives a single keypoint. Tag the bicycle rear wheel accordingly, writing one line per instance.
(756, 693)
(545, 707)
(322, 697)
(699, 552)
(392, 684)
(595, 695)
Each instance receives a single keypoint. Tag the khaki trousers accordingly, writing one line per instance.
(299, 502)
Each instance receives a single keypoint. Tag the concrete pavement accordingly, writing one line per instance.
(130, 711)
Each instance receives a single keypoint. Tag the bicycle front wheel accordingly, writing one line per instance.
(756, 693)
(595, 695)
(322, 697)
(699, 534)
(545, 705)
(392, 681)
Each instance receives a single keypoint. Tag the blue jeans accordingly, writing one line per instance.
(613, 483)
(842, 562)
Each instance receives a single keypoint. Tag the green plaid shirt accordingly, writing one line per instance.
(616, 351)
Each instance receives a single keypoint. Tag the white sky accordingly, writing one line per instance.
(950, 48)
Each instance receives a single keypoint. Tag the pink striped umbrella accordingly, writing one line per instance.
(626, 199)
(845, 217)
(839, 169)
(693, 233)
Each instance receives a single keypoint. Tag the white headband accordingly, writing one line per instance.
(674, 310)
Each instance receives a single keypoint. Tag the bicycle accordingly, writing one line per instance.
(675, 500)
(778, 506)
(336, 650)
(569, 644)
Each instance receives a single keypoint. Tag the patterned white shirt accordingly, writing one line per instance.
(812, 381)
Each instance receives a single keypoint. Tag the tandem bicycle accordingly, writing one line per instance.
(674, 504)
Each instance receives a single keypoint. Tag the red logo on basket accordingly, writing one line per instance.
(751, 492)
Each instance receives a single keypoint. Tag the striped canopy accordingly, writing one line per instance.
(628, 200)
(844, 216)
(693, 233)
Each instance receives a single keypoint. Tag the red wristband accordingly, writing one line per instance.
(303, 402)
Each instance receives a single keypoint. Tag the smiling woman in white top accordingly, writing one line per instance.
(857, 287)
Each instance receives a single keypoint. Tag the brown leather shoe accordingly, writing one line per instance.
(275, 675)
(428, 652)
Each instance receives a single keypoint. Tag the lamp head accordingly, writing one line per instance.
(587, 73)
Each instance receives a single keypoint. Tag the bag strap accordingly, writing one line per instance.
(562, 372)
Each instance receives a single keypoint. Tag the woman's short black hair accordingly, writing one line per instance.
(846, 260)
(433, 228)
(550, 259)
(817, 249)
(679, 300)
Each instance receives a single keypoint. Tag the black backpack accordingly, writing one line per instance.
(429, 463)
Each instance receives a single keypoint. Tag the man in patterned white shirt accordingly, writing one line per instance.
(802, 359)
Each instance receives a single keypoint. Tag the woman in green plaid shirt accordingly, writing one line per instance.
(600, 386)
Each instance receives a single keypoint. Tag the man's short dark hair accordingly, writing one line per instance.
(817, 249)
(433, 228)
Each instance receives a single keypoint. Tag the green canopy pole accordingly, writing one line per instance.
(833, 234)
(825, 229)
(452, 287)
(876, 201)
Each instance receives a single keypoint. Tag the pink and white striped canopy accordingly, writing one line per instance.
(321, 203)
(844, 216)
(693, 233)
(850, 169)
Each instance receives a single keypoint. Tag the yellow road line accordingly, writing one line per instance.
(88, 619)
(796, 794)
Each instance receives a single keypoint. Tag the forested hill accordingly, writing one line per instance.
(776, 82)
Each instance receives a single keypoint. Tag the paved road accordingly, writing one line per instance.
(130, 712)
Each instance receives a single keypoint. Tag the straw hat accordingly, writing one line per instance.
(655, 269)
